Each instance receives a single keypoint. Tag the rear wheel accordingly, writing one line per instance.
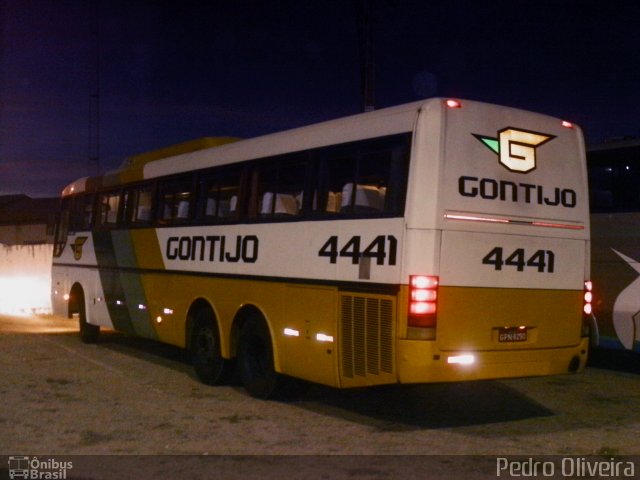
(256, 365)
(208, 363)
(255, 357)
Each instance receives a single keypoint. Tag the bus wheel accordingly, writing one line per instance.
(255, 357)
(208, 363)
(88, 333)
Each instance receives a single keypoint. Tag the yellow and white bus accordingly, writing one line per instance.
(442, 240)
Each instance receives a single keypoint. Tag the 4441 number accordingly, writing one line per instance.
(383, 249)
(542, 260)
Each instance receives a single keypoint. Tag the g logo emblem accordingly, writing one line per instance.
(76, 247)
(516, 148)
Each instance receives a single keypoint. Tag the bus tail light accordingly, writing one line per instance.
(587, 309)
(423, 301)
(588, 298)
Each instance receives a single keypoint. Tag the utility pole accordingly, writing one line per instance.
(365, 42)
(93, 163)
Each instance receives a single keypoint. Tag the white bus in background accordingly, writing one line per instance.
(438, 241)
(614, 178)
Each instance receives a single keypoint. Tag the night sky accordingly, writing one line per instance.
(170, 71)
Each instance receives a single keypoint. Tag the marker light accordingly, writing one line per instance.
(451, 103)
(465, 359)
(566, 124)
(290, 332)
(423, 296)
(323, 337)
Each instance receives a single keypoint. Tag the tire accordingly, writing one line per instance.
(88, 333)
(255, 357)
(208, 363)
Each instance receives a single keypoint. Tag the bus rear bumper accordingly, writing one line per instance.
(421, 362)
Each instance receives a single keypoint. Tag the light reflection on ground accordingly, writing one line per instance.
(37, 324)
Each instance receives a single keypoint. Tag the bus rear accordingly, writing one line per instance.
(496, 260)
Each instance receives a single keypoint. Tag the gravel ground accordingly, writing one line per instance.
(128, 396)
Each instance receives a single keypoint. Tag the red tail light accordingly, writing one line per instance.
(423, 301)
(588, 297)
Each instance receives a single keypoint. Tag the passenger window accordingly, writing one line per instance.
(176, 198)
(219, 194)
(364, 178)
(138, 203)
(280, 188)
(108, 205)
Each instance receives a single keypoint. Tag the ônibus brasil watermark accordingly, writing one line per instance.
(38, 468)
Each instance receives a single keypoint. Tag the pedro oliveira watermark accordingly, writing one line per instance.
(567, 467)
(38, 468)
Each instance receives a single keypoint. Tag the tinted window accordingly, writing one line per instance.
(138, 205)
(280, 187)
(364, 178)
(220, 196)
(108, 206)
(176, 200)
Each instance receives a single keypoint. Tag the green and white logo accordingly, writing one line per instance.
(515, 148)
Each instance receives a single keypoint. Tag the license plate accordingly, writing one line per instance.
(512, 334)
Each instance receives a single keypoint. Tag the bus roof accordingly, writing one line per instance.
(614, 144)
(217, 151)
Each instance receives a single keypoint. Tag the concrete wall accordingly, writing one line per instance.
(30, 234)
(25, 278)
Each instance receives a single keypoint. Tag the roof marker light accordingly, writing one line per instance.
(451, 103)
(566, 124)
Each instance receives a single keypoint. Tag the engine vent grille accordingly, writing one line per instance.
(367, 336)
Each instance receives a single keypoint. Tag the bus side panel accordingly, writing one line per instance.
(308, 335)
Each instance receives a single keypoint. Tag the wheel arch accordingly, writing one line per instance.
(76, 295)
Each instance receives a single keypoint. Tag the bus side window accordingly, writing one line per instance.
(62, 227)
(219, 196)
(365, 178)
(108, 205)
(138, 202)
(280, 187)
(336, 179)
(176, 199)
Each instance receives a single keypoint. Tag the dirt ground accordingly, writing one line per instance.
(125, 396)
